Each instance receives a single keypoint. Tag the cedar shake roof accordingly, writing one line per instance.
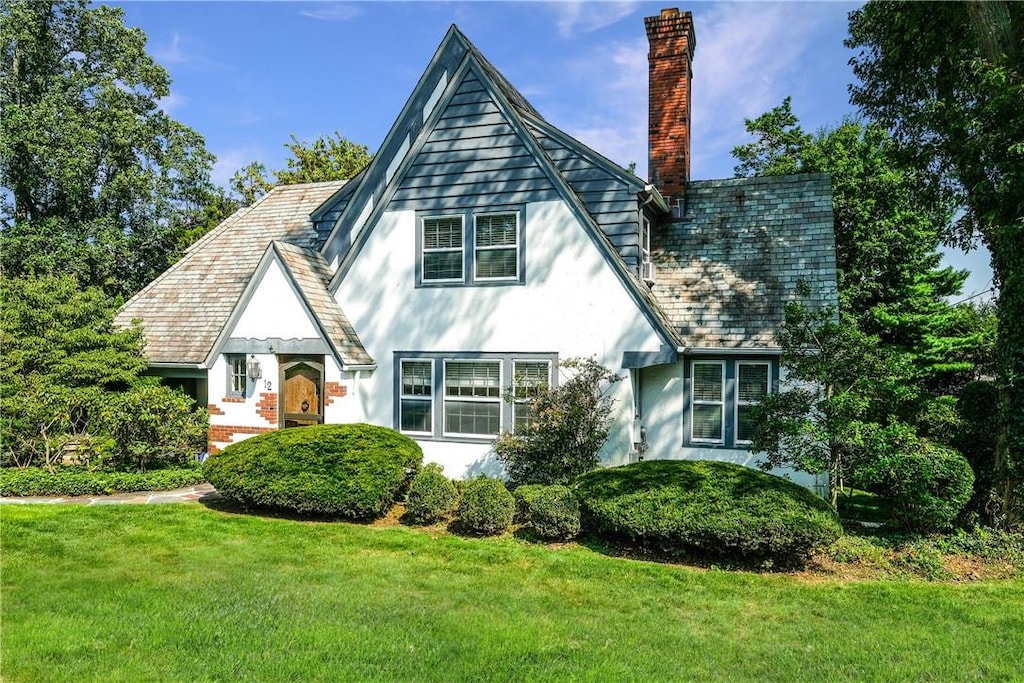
(185, 309)
(727, 269)
(312, 273)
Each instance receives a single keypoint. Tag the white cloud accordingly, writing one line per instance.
(747, 60)
(584, 17)
(334, 11)
(171, 103)
(231, 161)
(172, 53)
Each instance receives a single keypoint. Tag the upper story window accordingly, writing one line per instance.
(442, 250)
(497, 246)
(237, 376)
(646, 266)
(470, 248)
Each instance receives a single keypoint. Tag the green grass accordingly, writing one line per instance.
(182, 592)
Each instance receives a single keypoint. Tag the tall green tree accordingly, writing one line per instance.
(888, 229)
(947, 80)
(329, 157)
(97, 172)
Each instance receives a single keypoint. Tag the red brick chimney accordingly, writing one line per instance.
(670, 58)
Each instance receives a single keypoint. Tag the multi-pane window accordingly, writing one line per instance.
(417, 396)
(236, 374)
(497, 246)
(530, 378)
(752, 383)
(442, 249)
(472, 397)
(645, 247)
(707, 408)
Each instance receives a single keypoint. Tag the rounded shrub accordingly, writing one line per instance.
(926, 484)
(432, 496)
(522, 494)
(486, 508)
(552, 512)
(928, 489)
(354, 471)
(705, 508)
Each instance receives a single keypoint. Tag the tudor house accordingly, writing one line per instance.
(481, 247)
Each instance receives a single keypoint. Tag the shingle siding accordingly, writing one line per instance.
(726, 270)
(472, 158)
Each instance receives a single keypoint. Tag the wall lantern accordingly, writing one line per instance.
(252, 368)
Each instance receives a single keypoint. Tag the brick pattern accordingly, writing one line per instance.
(226, 434)
(233, 399)
(267, 407)
(214, 409)
(672, 41)
(725, 272)
(334, 390)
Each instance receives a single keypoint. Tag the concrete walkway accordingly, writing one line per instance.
(204, 492)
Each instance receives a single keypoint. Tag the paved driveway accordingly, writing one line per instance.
(204, 492)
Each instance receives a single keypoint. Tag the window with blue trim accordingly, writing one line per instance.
(722, 395)
(470, 248)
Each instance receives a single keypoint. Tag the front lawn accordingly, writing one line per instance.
(182, 592)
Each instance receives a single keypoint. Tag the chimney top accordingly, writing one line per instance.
(672, 42)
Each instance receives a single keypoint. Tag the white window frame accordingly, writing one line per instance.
(504, 247)
(738, 402)
(233, 359)
(720, 402)
(445, 400)
(516, 400)
(402, 396)
(645, 240)
(424, 250)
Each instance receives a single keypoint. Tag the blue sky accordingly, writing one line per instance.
(247, 75)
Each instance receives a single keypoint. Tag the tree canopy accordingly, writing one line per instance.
(97, 171)
(888, 229)
(947, 80)
(329, 157)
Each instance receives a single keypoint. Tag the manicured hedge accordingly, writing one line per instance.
(37, 481)
(432, 496)
(486, 508)
(355, 471)
(705, 508)
(551, 512)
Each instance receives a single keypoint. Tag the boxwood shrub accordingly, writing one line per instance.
(709, 509)
(432, 496)
(355, 471)
(75, 481)
(551, 512)
(486, 508)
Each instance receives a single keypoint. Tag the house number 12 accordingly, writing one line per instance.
(268, 385)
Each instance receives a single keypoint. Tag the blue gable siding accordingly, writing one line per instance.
(612, 202)
(472, 158)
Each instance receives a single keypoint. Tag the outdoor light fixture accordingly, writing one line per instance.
(252, 368)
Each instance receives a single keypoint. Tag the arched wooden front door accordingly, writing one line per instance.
(302, 382)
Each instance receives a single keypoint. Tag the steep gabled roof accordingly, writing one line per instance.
(726, 270)
(185, 309)
(455, 58)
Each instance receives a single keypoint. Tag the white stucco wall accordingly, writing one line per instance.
(572, 304)
(663, 396)
(274, 310)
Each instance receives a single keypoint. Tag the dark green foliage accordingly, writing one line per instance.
(926, 484)
(74, 481)
(568, 427)
(486, 508)
(952, 101)
(97, 172)
(978, 413)
(68, 376)
(152, 426)
(355, 471)
(712, 509)
(552, 512)
(432, 496)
